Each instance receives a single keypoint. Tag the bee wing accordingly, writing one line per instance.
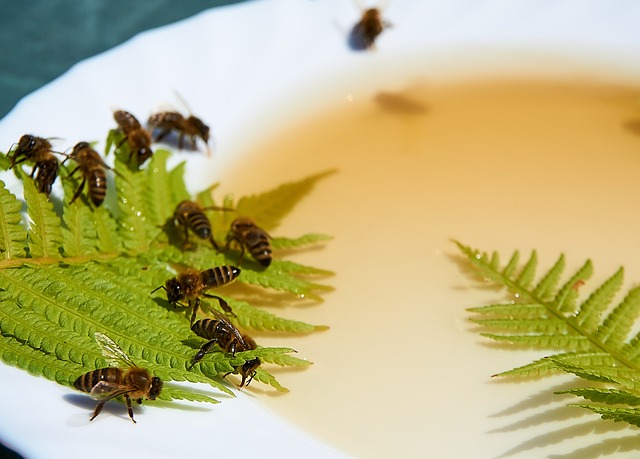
(105, 390)
(183, 101)
(113, 352)
(222, 318)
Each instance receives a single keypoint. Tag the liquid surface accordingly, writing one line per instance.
(504, 165)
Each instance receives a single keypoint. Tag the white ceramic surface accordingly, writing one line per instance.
(249, 70)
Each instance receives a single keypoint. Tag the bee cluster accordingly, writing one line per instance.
(125, 379)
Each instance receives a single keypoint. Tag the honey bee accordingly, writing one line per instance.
(191, 284)
(123, 378)
(364, 34)
(190, 126)
(223, 333)
(190, 216)
(93, 172)
(39, 151)
(138, 138)
(252, 238)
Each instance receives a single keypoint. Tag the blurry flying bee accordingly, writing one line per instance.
(92, 168)
(137, 137)
(252, 238)
(190, 126)
(223, 333)
(123, 378)
(39, 151)
(173, 121)
(364, 34)
(191, 284)
(190, 216)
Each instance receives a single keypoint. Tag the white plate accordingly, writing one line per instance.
(250, 70)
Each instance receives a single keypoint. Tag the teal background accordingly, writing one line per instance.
(41, 39)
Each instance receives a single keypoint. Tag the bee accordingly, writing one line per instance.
(223, 333)
(39, 151)
(124, 378)
(93, 172)
(138, 138)
(252, 238)
(364, 34)
(191, 284)
(190, 216)
(191, 126)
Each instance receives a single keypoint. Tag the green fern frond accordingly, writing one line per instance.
(307, 239)
(606, 396)
(618, 323)
(45, 237)
(590, 312)
(628, 415)
(159, 198)
(589, 339)
(268, 208)
(13, 236)
(267, 378)
(137, 232)
(515, 310)
(84, 270)
(79, 233)
(548, 284)
(527, 275)
(252, 318)
(170, 392)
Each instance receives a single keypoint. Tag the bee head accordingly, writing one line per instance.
(143, 154)
(174, 290)
(156, 388)
(248, 370)
(27, 142)
(203, 129)
(242, 225)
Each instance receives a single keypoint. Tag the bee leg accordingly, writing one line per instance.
(181, 141)
(186, 245)
(223, 304)
(196, 305)
(96, 412)
(249, 381)
(129, 408)
(33, 171)
(78, 191)
(72, 172)
(241, 254)
(162, 135)
(204, 349)
(228, 245)
(213, 243)
(15, 162)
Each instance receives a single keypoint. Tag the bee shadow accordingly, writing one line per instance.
(85, 402)
(172, 308)
(632, 126)
(172, 139)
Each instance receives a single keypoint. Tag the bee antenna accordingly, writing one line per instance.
(161, 287)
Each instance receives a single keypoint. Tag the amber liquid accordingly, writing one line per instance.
(497, 164)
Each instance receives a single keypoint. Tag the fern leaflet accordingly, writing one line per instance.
(593, 335)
